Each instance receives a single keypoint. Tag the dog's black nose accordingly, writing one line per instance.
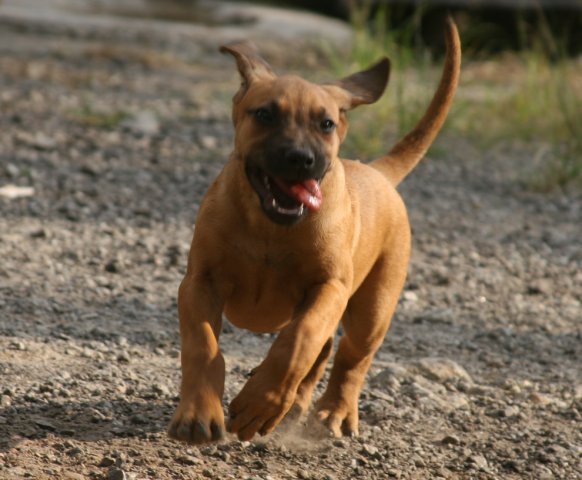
(300, 159)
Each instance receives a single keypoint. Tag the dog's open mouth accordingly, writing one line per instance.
(285, 201)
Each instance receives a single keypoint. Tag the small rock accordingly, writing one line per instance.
(479, 461)
(13, 191)
(39, 140)
(74, 451)
(540, 287)
(189, 460)
(210, 451)
(72, 476)
(224, 456)
(139, 419)
(17, 346)
(410, 296)
(12, 170)
(144, 123)
(370, 451)
(116, 474)
(511, 411)
(106, 462)
(123, 357)
(112, 266)
(208, 142)
(513, 465)
(451, 440)
(45, 424)
(38, 233)
(160, 389)
(544, 473)
(544, 400)
(393, 372)
(443, 370)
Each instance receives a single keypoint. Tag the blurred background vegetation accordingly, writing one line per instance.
(521, 83)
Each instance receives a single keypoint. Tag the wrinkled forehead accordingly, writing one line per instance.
(290, 94)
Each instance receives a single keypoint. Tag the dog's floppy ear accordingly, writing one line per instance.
(249, 63)
(366, 86)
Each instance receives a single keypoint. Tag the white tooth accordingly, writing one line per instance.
(290, 211)
(286, 211)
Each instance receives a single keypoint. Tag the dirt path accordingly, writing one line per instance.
(480, 376)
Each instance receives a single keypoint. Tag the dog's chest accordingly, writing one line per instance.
(264, 292)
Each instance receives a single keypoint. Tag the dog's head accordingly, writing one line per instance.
(288, 130)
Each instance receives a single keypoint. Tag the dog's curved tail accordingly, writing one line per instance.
(404, 156)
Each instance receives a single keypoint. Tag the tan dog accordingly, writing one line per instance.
(291, 239)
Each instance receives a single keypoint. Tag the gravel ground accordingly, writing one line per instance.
(479, 376)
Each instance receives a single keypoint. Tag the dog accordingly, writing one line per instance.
(290, 238)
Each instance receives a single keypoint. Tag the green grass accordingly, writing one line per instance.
(90, 116)
(409, 89)
(532, 96)
(538, 103)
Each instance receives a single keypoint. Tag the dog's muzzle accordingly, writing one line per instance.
(285, 201)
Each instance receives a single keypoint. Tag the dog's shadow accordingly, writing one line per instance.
(86, 420)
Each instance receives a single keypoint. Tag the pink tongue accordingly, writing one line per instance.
(306, 192)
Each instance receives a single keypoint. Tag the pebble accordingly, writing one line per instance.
(116, 474)
(443, 369)
(189, 460)
(144, 122)
(479, 461)
(410, 296)
(161, 390)
(106, 462)
(208, 142)
(73, 476)
(451, 440)
(511, 411)
(123, 357)
(370, 451)
(17, 346)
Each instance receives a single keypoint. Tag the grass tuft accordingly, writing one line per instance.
(93, 117)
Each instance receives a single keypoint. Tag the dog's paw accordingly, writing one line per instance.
(339, 417)
(258, 408)
(197, 425)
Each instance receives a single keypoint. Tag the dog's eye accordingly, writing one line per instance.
(327, 125)
(264, 116)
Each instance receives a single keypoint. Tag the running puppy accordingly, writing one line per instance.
(292, 239)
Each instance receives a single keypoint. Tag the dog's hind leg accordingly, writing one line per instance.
(365, 324)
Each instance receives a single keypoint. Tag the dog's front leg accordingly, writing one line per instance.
(199, 417)
(269, 393)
